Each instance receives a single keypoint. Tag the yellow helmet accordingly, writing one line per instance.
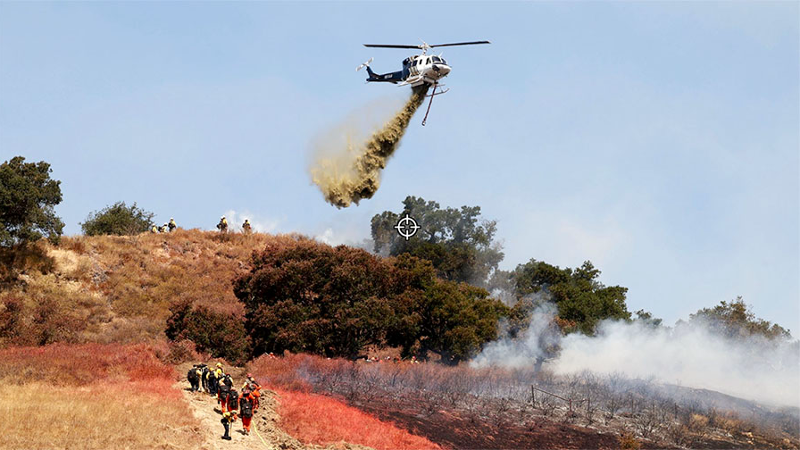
(219, 365)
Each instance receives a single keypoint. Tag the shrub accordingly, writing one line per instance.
(12, 326)
(223, 335)
(628, 442)
(118, 219)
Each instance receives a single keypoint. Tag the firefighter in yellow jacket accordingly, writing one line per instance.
(222, 226)
(228, 418)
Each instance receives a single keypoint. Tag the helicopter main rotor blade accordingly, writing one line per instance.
(392, 46)
(460, 43)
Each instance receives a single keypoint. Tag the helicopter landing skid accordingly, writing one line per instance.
(431, 95)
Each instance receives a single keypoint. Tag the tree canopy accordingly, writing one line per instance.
(581, 299)
(118, 219)
(334, 301)
(735, 319)
(28, 197)
(457, 242)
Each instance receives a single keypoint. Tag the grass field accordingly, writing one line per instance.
(91, 397)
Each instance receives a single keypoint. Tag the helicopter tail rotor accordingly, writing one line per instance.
(366, 64)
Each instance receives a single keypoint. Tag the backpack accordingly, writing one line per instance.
(224, 390)
(192, 375)
(233, 400)
(246, 406)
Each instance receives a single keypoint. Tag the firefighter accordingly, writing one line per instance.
(211, 381)
(255, 388)
(222, 394)
(194, 377)
(222, 226)
(233, 400)
(172, 225)
(227, 419)
(246, 227)
(204, 376)
(247, 405)
(154, 230)
(227, 380)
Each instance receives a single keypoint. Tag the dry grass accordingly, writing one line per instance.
(103, 415)
(91, 397)
(79, 365)
(317, 419)
(119, 288)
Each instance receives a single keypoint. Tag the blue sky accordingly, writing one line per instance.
(659, 140)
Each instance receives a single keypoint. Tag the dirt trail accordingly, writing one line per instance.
(265, 432)
(265, 422)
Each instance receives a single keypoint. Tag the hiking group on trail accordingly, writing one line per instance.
(215, 382)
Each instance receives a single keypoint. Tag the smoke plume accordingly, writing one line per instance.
(354, 172)
(542, 335)
(689, 354)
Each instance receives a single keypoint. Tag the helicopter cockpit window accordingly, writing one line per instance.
(436, 59)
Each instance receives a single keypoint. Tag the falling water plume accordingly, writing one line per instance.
(355, 174)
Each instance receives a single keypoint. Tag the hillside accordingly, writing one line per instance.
(118, 289)
(87, 322)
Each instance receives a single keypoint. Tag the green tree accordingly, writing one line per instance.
(27, 199)
(304, 296)
(646, 318)
(118, 219)
(457, 242)
(451, 319)
(581, 299)
(735, 319)
(310, 297)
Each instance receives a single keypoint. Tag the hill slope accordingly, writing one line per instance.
(118, 289)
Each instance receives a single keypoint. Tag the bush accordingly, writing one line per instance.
(178, 352)
(628, 442)
(304, 296)
(223, 335)
(12, 326)
(118, 219)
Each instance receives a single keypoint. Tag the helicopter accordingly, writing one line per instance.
(417, 69)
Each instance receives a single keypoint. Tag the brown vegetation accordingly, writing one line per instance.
(91, 397)
(119, 289)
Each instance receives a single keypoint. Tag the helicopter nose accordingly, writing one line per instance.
(441, 69)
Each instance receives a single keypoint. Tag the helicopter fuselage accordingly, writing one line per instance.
(417, 70)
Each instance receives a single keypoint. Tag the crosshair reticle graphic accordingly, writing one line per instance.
(407, 227)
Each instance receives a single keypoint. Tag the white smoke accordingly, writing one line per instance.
(689, 355)
(524, 351)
